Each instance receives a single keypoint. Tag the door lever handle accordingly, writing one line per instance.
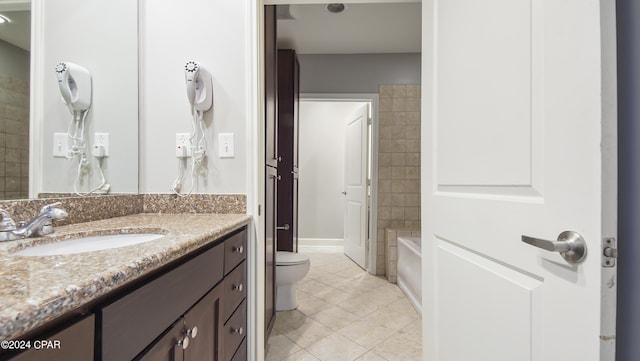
(570, 244)
(283, 228)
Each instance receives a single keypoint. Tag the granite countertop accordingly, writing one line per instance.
(35, 290)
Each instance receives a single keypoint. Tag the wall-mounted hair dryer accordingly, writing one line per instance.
(200, 94)
(75, 85)
(199, 86)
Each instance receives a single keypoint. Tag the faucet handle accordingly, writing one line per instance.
(7, 223)
(49, 206)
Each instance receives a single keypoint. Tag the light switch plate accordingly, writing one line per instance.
(225, 145)
(60, 145)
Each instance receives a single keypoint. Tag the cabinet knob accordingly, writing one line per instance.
(237, 287)
(184, 343)
(192, 332)
(238, 249)
(239, 330)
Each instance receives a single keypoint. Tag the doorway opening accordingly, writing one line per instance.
(325, 203)
(374, 52)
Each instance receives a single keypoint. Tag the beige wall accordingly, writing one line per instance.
(398, 162)
(14, 138)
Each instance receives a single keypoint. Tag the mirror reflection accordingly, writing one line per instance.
(15, 26)
(99, 37)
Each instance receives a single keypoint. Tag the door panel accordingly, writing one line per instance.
(500, 151)
(355, 224)
(512, 128)
(462, 276)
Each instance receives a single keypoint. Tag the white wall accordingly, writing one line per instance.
(356, 73)
(102, 37)
(322, 142)
(214, 33)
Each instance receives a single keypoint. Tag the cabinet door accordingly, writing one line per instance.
(270, 250)
(270, 86)
(75, 343)
(203, 324)
(195, 336)
(169, 347)
(296, 150)
(287, 149)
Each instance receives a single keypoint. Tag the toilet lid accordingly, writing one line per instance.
(290, 258)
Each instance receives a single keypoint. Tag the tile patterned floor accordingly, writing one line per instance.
(345, 314)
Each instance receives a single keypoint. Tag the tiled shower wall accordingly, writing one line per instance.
(14, 138)
(398, 162)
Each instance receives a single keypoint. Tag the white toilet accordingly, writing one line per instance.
(291, 268)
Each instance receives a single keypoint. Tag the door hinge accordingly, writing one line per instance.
(259, 209)
(369, 120)
(609, 252)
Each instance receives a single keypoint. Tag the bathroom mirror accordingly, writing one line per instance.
(101, 37)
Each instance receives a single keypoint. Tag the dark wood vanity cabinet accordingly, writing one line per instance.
(74, 342)
(193, 309)
(214, 328)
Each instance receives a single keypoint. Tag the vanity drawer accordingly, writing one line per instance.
(234, 331)
(235, 288)
(133, 321)
(235, 251)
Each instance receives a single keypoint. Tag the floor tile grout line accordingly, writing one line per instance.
(370, 287)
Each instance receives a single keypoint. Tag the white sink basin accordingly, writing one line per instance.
(89, 244)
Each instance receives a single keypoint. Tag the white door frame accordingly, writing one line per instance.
(372, 98)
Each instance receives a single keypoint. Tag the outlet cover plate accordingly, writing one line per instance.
(182, 140)
(103, 140)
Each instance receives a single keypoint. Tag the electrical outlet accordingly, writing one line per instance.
(60, 145)
(101, 140)
(183, 145)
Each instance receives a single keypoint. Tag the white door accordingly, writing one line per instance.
(355, 185)
(511, 138)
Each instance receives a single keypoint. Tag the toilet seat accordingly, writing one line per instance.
(290, 259)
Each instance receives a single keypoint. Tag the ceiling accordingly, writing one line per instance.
(18, 31)
(359, 29)
(310, 29)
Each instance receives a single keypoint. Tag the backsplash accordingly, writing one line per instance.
(195, 203)
(80, 209)
(398, 162)
(14, 138)
(93, 208)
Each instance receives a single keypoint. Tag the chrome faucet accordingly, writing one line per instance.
(38, 226)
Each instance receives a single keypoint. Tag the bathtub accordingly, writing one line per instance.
(410, 270)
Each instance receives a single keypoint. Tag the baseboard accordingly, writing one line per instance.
(320, 245)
